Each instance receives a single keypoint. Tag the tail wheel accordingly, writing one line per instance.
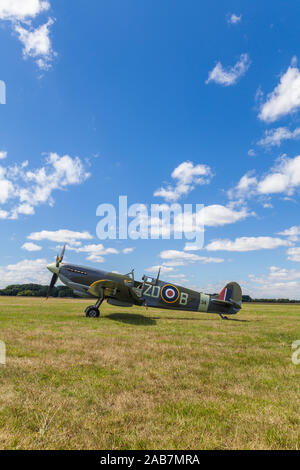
(92, 312)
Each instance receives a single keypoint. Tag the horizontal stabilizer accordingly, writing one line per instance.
(227, 303)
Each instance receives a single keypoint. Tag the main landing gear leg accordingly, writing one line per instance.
(223, 317)
(93, 310)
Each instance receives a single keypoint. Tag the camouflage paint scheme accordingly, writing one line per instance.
(123, 290)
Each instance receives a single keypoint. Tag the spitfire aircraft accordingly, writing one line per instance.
(124, 291)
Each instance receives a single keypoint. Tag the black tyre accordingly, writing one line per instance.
(92, 312)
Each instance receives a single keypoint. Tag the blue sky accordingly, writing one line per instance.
(110, 98)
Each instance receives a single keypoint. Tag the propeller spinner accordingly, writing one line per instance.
(54, 268)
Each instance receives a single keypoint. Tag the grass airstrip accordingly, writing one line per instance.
(155, 379)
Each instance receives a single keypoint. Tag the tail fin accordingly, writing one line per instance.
(232, 292)
(229, 300)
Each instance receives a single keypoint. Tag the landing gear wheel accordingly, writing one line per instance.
(92, 312)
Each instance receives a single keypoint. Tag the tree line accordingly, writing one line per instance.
(36, 290)
(247, 298)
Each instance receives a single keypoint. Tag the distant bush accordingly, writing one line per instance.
(64, 291)
(36, 290)
(26, 293)
(277, 301)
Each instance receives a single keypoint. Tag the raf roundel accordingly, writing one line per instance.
(169, 294)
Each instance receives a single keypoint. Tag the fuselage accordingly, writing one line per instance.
(150, 292)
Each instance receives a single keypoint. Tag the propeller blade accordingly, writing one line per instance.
(55, 271)
(61, 257)
(52, 284)
(63, 252)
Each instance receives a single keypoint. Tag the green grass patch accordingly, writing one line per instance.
(155, 379)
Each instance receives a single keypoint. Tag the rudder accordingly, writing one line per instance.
(232, 292)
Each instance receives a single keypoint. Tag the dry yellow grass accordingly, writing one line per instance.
(155, 379)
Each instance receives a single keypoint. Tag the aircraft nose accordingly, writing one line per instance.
(53, 268)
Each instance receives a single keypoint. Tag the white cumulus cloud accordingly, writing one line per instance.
(36, 40)
(247, 244)
(234, 19)
(95, 252)
(218, 215)
(22, 9)
(4, 214)
(285, 98)
(126, 251)
(229, 75)
(294, 254)
(25, 272)
(60, 236)
(186, 176)
(214, 215)
(3, 155)
(291, 233)
(6, 187)
(31, 247)
(163, 269)
(277, 283)
(37, 43)
(186, 258)
(283, 177)
(25, 189)
(283, 273)
(274, 137)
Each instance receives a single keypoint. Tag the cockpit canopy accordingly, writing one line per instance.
(149, 280)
